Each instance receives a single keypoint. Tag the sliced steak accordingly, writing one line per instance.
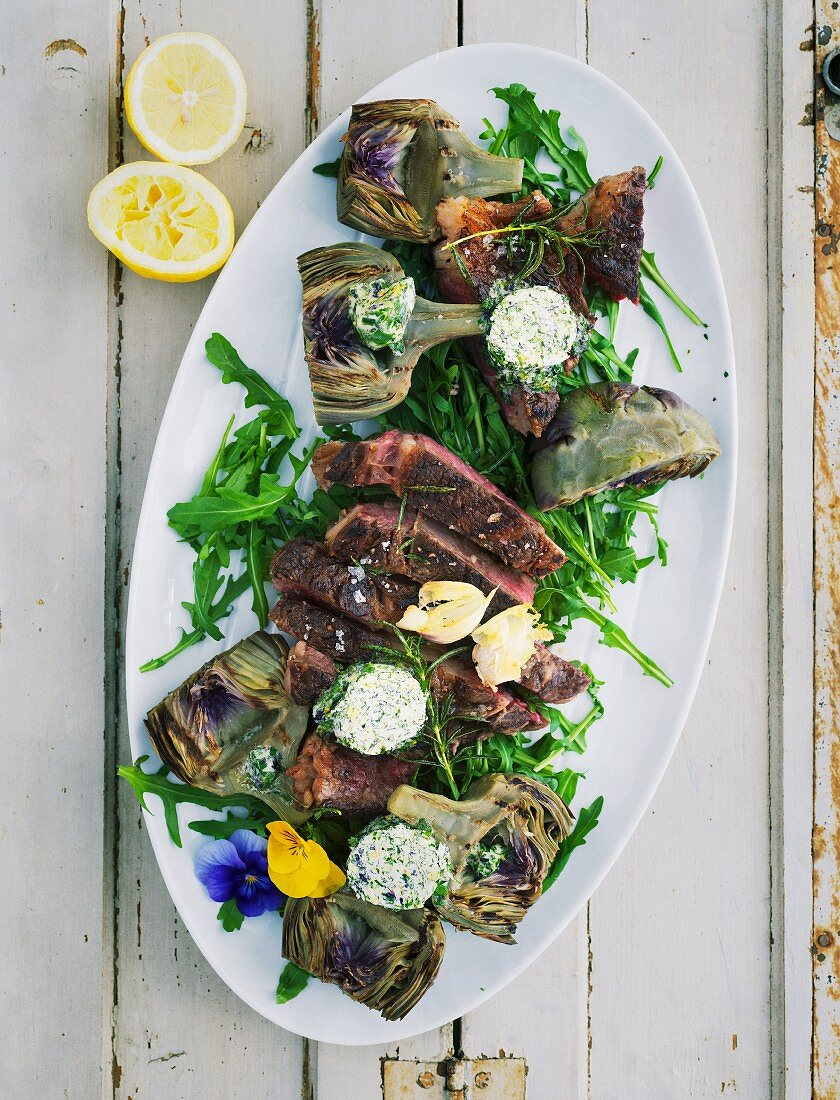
(552, 678)
(328, 774)
(420, 548)
(502, 711)
(308, 674)
(614, 208)
(347, 641)
(417, 468)
(487, 260)
(304, 568)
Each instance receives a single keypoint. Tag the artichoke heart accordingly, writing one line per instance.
(231, 727)
(401, 157)
(520, 816)
(380, 958)
(364, 329)
(612, 434)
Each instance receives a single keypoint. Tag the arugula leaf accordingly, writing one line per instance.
(230, 915)
(292, 981)
(328, 168)
(222, 830)
(172, 793)
(223, 354)
(586, 822)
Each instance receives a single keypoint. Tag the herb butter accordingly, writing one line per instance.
(398, 866)
(532, 332)
(380, 311)
(373, 707)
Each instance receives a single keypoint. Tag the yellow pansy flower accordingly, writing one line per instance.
(300, 868)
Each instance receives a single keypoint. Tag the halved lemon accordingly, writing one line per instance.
(162, 220)
(185, 98)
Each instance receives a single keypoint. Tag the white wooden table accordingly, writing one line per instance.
(706, 964)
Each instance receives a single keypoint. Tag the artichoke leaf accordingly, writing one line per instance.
(381, 958)
(350, 380)
(401, 157)
(231, 728)
(518, 812)
(612, 434)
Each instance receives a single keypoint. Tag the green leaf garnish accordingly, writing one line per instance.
(292, 981)
(230, 916)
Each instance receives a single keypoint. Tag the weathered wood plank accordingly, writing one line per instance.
(356, 48)
(542, 1016)
(680, 929)
(790, 543)
(53, 310)
(178, 1030)
(826, 829)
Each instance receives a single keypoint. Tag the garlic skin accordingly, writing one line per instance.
(446, 611)
(506, 643)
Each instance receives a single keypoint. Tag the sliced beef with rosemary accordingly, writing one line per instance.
(384, 536)
(434, 481)
(328, 774)
(494, 251)
(346, 641)
(612, 209)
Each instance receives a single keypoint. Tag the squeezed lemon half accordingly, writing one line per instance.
(185, 98)
(162, 220)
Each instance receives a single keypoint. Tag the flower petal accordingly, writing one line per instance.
(220, 869)
(315, 859)
(334, 881)
(246, 843)
(258, 896)
(285, 847)
(298, 884)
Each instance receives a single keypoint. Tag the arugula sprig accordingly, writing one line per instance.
(247, 503)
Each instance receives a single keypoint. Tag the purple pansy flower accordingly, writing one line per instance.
(238, 868)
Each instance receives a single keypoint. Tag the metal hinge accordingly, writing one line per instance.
(455, 1079)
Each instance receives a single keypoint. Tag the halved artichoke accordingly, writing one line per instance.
(232, 728)
(612, 434)
(383, 959)
(401, 157)
(351, 380)
(519, 813)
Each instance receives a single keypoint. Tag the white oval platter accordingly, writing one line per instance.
(669, 613)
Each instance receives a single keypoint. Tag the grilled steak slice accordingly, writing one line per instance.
(305, 569)
(551, 678)
(328, 774)
(308, 673)
(347, 641)
(418, 547)
(417, 468)
(614, 208)
(500, 709)
(486, 259)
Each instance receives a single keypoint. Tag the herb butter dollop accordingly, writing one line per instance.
(380, 311)
(532, 332)
(373, 707)
(398, 866)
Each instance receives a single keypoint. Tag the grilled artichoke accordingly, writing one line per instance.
(612, 434)
(382, 959)
(351, 378)
(231, 727)
(401, 157)
(519, 814)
